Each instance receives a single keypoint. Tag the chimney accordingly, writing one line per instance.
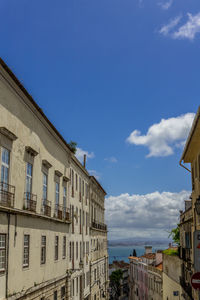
(84, 160)
(148, 249)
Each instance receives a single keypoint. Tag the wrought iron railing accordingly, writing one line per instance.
(98, 225)
(46, 207)
(7, 194)
(66, 214)
(30, 201)
(58, 212)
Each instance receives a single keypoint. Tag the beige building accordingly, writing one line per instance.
(53, 239)
(190, 218)
(171, 277)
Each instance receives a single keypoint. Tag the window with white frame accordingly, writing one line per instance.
(5, 163)
(57, 195)
(2, 252)
(45, 182)
(26, 250)
(29, 178)
(43, 249)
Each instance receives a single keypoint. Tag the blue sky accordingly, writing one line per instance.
(102, 69)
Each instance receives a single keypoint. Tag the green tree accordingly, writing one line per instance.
(175, 234)
(72, 146)
(115, 278)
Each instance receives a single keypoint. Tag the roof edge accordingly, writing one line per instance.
(194, 124)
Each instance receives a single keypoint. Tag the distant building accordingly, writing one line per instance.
(145, 276)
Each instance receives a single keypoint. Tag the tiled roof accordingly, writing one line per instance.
(149, 256)
(134, 257)
(160, 266)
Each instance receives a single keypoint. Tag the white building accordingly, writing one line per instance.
(52, 241)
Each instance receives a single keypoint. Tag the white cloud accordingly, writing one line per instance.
(166, 29)
(189, 29)
(94, 173)
(166, 5)
(163, 137)
(185, 31)
(111, 159)
(149, 215)
(80, 153)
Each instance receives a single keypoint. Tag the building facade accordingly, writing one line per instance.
(51, 245)
(190, 218)
(145, 276)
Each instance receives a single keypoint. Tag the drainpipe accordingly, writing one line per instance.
(7, 254)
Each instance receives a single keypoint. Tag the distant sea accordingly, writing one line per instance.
(123, 252)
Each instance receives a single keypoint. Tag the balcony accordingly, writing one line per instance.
(66, 214)
(99, 226)
(30, 201)
(58, 213)
(7, 194)
(46, 208)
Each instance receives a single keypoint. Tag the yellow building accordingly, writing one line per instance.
(46, 228)
(171, 277)
(190, 218)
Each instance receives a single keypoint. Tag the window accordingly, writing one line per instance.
(73, 287)
(64, 201)
(95, 274)
(29, 175)
(83, 186)
(72, 182)
(55, 294)
(76, 215)
(26, 250)
(63, 292)
(45, 180)
(64, 246)
(56, 247)
(76, 250)
(5, 161)
(76, 182)
(77, 286)
(80, 250)
(70, 251)
(80, 221)
(80, 186)
(43, 249)
(2, 252)
(57, 193)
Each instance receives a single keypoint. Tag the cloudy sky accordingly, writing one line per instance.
(121, 78)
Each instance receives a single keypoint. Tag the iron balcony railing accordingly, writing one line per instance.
(62, 213)
(7, 194)
(30, 201)
(46, 207)
(58, 212)
(66, 214)
(98, 225)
